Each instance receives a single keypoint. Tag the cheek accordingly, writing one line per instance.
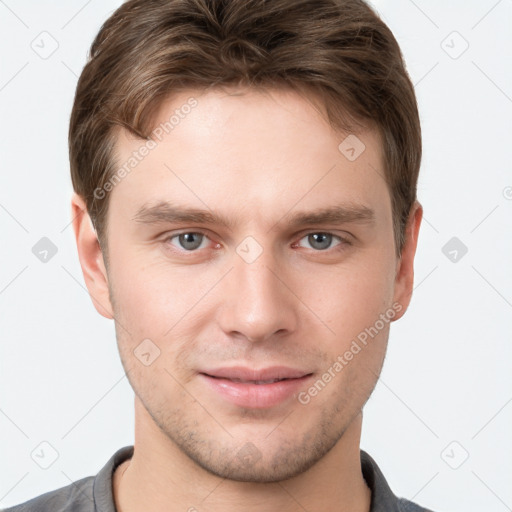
(153, 304)
(358, 309)
(352, 299)
(151, 296)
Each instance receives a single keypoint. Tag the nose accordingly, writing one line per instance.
(257, 302)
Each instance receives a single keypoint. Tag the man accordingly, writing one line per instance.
(245, 210)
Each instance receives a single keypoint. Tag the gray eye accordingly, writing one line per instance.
(190, 241)
(320, 241)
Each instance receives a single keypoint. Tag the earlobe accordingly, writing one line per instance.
(404, 277)
(91, 257)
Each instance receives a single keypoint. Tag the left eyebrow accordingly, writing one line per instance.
(351, 213)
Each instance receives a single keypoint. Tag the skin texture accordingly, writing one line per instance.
(256, 158)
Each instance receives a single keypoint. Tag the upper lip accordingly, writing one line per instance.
(250, 374)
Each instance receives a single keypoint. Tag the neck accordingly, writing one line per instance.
(159, 477)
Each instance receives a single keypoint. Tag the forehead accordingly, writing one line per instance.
(251, 150)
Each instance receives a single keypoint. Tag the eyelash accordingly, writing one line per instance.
(342, 241)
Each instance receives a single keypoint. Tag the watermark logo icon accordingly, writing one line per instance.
(352, 147)
(248, 454)
(146, 352)
(455, 455)
(44, 455)
(44, 250)
(454, 249)
(249, 249)
(454, 45)
(45, 45)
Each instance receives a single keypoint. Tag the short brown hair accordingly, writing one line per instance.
(340, 50)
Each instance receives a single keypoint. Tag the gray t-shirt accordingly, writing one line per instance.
(94, 493)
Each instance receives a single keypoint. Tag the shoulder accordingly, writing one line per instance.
(383, 498)
(408, 506)
(89, 494)
(75, 497)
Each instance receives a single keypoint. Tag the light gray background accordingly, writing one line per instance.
(446, 388)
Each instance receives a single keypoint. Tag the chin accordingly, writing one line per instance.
(262, 461)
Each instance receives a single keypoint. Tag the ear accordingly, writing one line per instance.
(404, 276)
(91, 257)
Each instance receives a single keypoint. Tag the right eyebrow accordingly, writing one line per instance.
(165, 212)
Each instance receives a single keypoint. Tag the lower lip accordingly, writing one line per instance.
(257, 396)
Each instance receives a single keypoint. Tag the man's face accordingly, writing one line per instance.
(260, 293)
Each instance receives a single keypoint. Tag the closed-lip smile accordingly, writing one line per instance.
(255, 388)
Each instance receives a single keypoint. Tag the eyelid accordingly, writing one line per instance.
(345, 235)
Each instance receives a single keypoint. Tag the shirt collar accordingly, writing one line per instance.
(382, 500)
